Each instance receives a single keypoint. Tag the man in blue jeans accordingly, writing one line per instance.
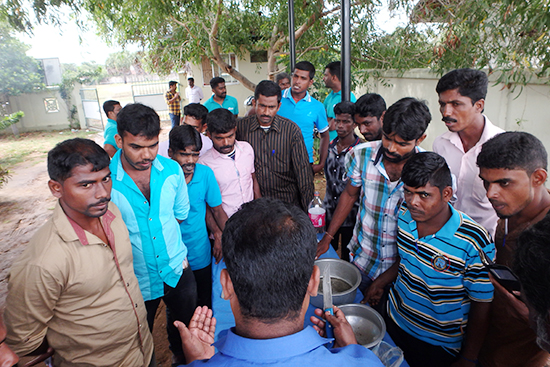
(173, 99)
(151, 193)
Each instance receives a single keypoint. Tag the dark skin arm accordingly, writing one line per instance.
(478, 324)
(323, 152)
(256, 187)
(111, 150)
(345, 204)
(376, 289)
(343, 333)
(212, 217)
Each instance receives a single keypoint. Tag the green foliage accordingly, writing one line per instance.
(19, 73)
(11, 119)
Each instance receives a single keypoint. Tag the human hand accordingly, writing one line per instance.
(322, 246)
(518, 309)
(198, 338)
(373, 293)
(217, 250)
(317, 168)
(343, 333)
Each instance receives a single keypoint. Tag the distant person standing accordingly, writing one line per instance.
(192, 92)
(173, 101)
(369, 115)
(283, 80)
(111, 109)
(220, 99)
(331, 78)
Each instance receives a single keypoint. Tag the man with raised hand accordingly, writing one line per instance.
(513, 168)
(74, 287)
(151, 192)
(269, 248)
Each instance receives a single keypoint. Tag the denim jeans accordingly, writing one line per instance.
(175, 119)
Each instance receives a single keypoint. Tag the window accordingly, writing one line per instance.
(210, 69)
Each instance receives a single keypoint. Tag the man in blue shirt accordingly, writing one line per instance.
(220, 99)
(269, 249)
(307, 112)
(111, 108)
(438, 308)
(331, 77)
(151, 193)
(185, 147)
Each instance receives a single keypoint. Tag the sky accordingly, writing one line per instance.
(49, 41)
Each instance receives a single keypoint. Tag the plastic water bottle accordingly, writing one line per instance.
(317, 213)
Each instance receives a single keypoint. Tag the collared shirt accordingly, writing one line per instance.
(234, 176)
(280, 159)
(81, 294)
(229, 103)
(439, 275)
(308, 113)
(110, 132)
(337, 179)
(373, 245)
(194, 95)
(202, 189)
(174, 106)
(165, 144)
(471, 194)
(329, 103)
(304, 348)
(158, 249)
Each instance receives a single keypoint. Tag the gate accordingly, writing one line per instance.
(92, 110)
(152, 95)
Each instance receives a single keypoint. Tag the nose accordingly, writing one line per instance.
(492, 191)
(392, 147)
(147, 154)
(363, 129)
(446, 109)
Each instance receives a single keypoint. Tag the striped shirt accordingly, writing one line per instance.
(281, 161)
(373, 246)
(438, 277)
(173, 107)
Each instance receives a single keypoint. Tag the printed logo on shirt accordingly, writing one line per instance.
(440, 262)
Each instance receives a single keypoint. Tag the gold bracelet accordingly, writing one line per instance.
(331, 236)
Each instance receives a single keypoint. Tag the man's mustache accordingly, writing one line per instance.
(448, 119)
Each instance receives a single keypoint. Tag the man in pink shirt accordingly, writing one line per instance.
(461, 102)
(232, 161)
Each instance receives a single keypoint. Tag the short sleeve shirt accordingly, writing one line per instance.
(202, 189)
(229, 103)
(308, 114)
(110, 132)
(439, 275)
(155, 234)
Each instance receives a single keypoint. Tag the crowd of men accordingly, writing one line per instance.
(139, 221)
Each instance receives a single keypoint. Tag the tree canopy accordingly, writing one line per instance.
(509, 36)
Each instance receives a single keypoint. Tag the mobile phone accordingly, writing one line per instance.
(505, 277)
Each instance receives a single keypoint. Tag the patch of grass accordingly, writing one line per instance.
(32, 145)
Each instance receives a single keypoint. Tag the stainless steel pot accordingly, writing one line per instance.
(345, 279)
(367, 324)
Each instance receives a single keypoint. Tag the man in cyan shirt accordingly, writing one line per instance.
(111, 108)
(151, 192)
(220, 99)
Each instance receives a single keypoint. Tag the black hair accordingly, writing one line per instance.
(172, 82)
(470, 83)
(408, 118)
(513, 150)
(220, 121)
(345, 107)
(532, 265)
(370, 104)
(215, 81)
(334, 68)
(306, 66)
(197, 111)
(191, 78)
(75, 152)
(269, 249)
(426, 167)
(267, 88)
(281, 76)
(138, 119)
(109, 106)
(184, 136)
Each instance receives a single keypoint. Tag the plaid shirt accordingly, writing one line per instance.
(373, 245)
(174, 106)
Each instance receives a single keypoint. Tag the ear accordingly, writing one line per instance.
(118, 140)
(227, 285)
(254, 102)
(170, 153)
(480, 105)
(310, 83)
(420, 139)
(56, 188)
(539, 177)
(447, 194)
(381, 119)
(314, 280)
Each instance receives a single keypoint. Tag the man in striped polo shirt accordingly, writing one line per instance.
(439, 304)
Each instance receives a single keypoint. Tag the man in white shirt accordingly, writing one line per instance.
(192, 92)
(461, 103)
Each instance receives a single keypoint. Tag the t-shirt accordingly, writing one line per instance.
(202, 189)
(329, 103)
(229, 103)
(110, 132)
